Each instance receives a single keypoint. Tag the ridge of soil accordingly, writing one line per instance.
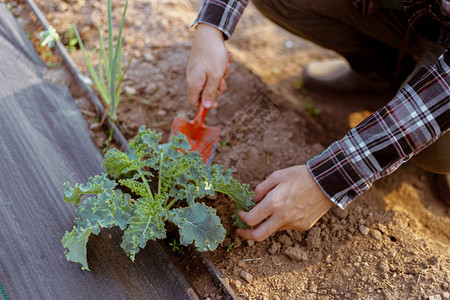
(390, 243)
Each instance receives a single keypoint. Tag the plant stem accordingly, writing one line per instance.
(144, 180)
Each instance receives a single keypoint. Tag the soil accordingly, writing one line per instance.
(390, 243)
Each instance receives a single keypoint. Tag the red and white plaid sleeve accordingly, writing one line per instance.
(222, 14)
(417, 116)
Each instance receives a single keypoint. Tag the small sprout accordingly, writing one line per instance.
(177, 248)
(310, 108)
(299, 85)
(71, 40)
(230, 247)
(48, 37)
(9, 6)
(223, 143)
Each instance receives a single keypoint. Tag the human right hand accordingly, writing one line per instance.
(208, 66)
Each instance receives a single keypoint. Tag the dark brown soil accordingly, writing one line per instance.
(391, 243)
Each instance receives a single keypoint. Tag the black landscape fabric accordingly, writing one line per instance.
(44, 141)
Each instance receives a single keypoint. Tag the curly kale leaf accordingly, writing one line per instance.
(147, 224)
(198, 224)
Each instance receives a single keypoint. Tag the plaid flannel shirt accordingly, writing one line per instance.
(417, 116)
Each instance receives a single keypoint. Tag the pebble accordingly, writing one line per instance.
(445, 285)
(364, 230)
(348, 295)
(446, 295)
(151, 88)
(384, 266)
(246, 276)
(435, 297)
(376, 234)
(161, 112)
(130, 91)
(250, 243)
(237, 242)
(241, 264)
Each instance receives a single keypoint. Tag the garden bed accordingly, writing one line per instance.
(390, 243)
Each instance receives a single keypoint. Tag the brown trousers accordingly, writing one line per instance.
(381, 42)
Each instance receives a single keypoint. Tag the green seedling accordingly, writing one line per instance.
(223, 143)
(48, 37)
(109, 65)
(313, 111)
(71, 39)
(177, 248)
(230, 247)
(164, 183)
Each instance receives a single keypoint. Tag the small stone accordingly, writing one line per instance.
(161, 112)
(130, 91)
(274, 248)
(250, 243)
(328, 259)
(95, 126)
(435, 297)
(384, 266)
(237, 242)
(295, 253)
(348, 295)
(445, 285)
(433, 260)
(241, 264)
(446, 295)
(151, 88)
(364, 230)
(376, 234)
(246, 276)
(148, 56)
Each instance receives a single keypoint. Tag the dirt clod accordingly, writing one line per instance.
(376, 234)
(295, 253)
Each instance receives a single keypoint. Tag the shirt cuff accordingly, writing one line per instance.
(222, 14)
(336, 175)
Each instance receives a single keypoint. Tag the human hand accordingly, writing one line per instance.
(208, 66)
(287, 199)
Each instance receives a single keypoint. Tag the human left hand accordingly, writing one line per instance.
(287, 199)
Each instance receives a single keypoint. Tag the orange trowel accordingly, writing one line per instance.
(202, 138)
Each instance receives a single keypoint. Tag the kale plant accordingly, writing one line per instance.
(164, 184)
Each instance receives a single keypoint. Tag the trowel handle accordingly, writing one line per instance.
(201, 115)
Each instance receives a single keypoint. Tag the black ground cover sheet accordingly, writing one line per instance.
(44, 141)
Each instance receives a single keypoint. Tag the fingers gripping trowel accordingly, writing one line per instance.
(202, 138)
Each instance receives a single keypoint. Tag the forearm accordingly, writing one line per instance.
(417, 116)
(222, 14)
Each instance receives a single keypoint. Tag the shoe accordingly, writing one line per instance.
(443, 187)
(336, 75)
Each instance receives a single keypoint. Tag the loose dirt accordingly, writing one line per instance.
(391, 243)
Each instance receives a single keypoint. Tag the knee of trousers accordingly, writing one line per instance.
(276, 9)
(436, 157)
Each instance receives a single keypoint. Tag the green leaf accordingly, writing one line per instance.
(223, 182)
(105, 211)
(147, 224)
(198, 224)
(94, 186)
(76, 241)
